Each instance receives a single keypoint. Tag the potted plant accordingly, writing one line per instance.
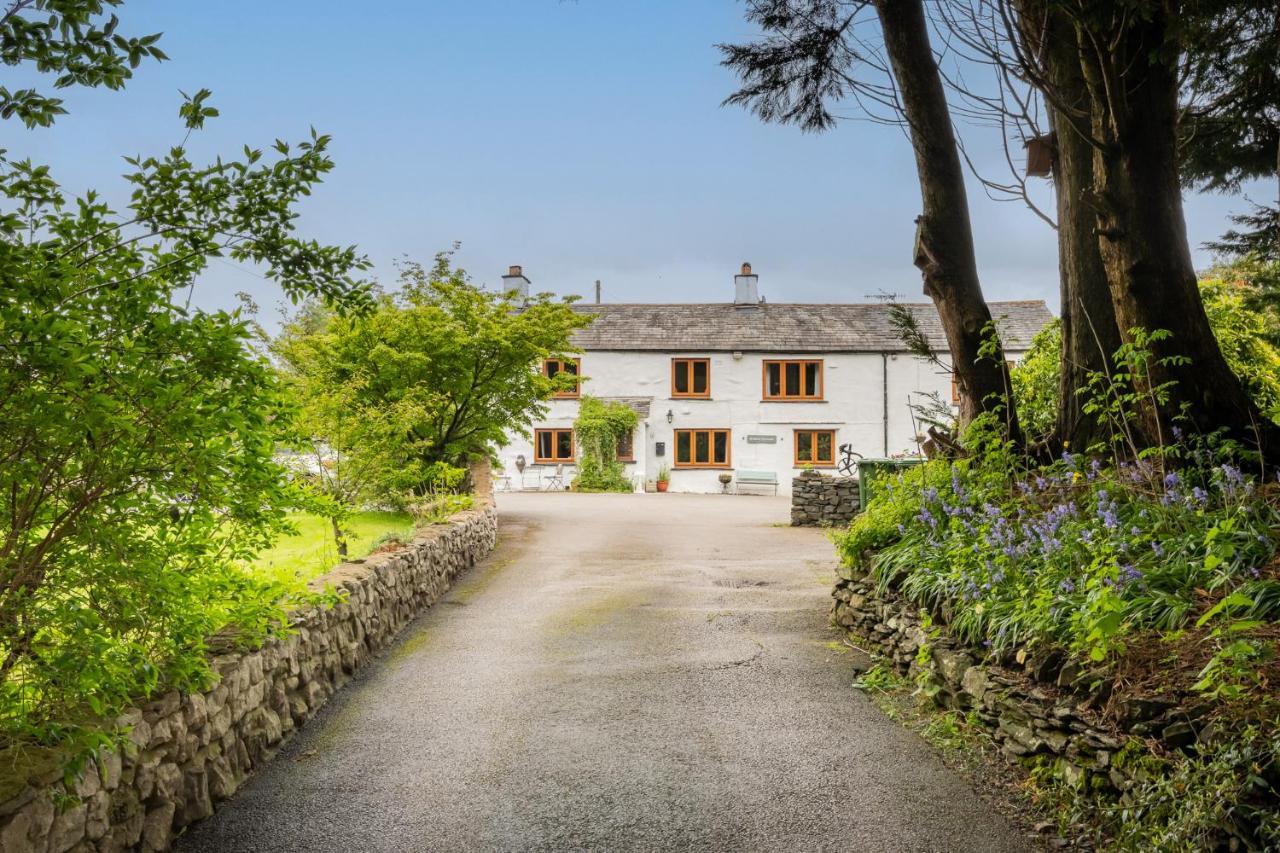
(725, 479)
(664, 476)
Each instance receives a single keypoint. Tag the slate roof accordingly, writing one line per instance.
(724, 327)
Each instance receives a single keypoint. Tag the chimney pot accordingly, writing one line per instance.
(515, 269)
(746, 268)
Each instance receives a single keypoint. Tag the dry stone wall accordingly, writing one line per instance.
(818, 500)
(186, 753)
(1043, 705)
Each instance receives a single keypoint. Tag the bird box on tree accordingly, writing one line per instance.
(1040, 155)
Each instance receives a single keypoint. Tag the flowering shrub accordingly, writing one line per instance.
(1076, 554)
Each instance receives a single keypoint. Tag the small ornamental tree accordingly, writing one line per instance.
(136, 455)
(436, 374)
(599, 427)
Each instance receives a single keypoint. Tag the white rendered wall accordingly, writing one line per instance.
(853, 405)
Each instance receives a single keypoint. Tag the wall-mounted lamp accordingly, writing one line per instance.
(737, 356)
(671, 416)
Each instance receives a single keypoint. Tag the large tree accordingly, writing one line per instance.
(814, 54)
(1089, 332)
(1129, 56)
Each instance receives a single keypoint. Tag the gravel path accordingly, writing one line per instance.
(627, 672)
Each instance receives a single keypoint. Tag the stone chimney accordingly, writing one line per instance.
(515, 280)
(746, 290)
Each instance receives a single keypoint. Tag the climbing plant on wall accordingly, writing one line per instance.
(598, 428)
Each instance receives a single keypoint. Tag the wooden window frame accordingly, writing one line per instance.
(687, 365)
(630, 457)
(538, 459)
(784, 397)
(711, 444)
(813, 463)
(577, 371)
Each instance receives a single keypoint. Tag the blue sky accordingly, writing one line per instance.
(583, 140)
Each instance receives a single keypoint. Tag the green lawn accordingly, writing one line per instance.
(310, 552)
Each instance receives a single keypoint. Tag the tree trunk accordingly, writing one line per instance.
(1142, 233)
(1090, 335)
(339, 538)
(944, 240)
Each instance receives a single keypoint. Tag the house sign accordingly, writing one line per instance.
(762, 439)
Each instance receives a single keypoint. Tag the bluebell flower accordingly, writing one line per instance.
(1067, 586)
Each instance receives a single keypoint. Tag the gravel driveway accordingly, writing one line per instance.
(627, 672)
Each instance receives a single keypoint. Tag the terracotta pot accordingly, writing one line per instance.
(662, 485)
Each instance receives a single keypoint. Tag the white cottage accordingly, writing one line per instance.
(751, 389)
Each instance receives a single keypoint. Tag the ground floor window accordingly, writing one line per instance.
(702, 448)
(626, 449)
(553, 445)
(815, 447)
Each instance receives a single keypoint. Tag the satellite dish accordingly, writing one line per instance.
(520, 463)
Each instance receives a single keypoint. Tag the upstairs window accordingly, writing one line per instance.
(554, 366)
(815, 447)
(793, 380)
(702, 448)
(626, 449)
(690, 377)
(552, 446)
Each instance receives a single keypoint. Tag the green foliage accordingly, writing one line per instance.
(598, 428)
(136, 458)
(1035, 383)
(1079, 554)
(1246, 338)
(664, 474)
(392, 401)
(879, 679)
(1240, 300)
(1224, 789)
(75, 40)
(894, 504)
(438, 509)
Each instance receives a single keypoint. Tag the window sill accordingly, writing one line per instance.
(701, 467)
(690, 397)
(792, 400)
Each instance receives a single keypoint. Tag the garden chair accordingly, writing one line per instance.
(555, 481)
